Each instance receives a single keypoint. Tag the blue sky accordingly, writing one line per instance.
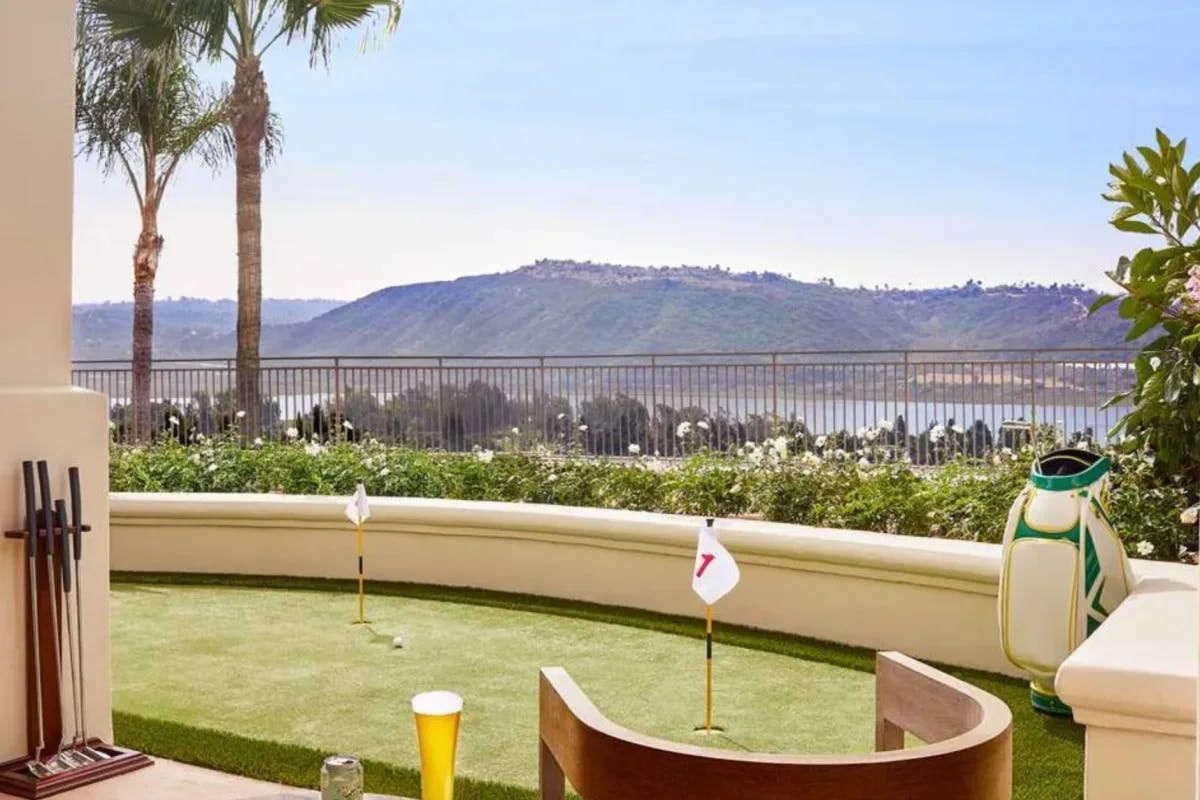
(916, 143)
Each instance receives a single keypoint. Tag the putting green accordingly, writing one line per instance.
(287, 666)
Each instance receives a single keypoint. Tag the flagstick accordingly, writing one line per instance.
(361, 618)
(708, 671)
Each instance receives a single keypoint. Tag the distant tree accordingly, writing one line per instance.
(143, 117)
(242, 31)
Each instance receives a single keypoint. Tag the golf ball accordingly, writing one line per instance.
(397, 641)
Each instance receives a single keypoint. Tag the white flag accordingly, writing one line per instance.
(715, 573)
(357, 510)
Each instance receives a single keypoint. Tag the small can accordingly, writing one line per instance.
(342, 778)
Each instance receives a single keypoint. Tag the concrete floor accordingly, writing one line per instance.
(170, 780)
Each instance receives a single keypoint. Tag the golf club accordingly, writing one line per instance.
(43, 470)
(36, 768)
(60, 516)
(77, 536)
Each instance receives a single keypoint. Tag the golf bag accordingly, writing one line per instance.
(1064, 569)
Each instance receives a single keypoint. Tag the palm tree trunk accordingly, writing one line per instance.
(145, 267)
(249, 107)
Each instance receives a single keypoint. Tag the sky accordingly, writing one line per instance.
(916, 143)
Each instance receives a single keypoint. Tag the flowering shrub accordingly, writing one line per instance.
(869, 489)
(1157, 195)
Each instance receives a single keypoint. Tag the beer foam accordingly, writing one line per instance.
(438, 703)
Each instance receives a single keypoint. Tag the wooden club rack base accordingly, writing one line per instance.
(15, 777)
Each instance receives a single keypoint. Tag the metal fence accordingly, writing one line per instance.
(661, 403)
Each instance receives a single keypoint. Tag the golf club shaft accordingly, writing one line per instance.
(60, 512)
(48, 516)
(77, 540)
(31, 529)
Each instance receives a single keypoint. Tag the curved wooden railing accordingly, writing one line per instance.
(968, 755)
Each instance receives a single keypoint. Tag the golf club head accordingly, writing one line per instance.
(37, 769)
(54, 767)
(96, 755)
(75, 758)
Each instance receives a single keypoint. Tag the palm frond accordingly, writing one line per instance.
(141, 110)
(321, 22)
(166, 28)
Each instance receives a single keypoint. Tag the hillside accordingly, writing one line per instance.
(565, 307)
(182, 327)
(568, 307)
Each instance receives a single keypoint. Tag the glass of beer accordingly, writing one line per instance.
(437, 715)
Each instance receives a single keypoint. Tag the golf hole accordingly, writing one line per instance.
(716, 730)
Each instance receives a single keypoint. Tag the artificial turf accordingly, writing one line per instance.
(264, 683)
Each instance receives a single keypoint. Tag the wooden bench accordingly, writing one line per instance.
(967, 755)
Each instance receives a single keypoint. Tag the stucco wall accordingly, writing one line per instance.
(1133, 683)
(37, 98)
(41, 416)
(932, 599)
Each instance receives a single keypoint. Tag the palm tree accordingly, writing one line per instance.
(242, 31)
(143, 118)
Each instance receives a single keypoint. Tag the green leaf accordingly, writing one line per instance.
(1173, 387)
(1179, 182)
(1124, 212)
(1132, 226)
(1153, 159)
(1117, 399)
(1135, 169)
(1100, 302)
(1145, 321)
(1164, 142)
(1128, 308)
(1121, 272)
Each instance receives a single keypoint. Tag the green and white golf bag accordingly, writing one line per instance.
(1064, 569)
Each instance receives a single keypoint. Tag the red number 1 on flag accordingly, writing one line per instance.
(706, 559)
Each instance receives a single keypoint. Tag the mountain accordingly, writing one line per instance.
(565, 307)
(182, 327)
(568, 307)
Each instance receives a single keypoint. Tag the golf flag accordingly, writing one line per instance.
(713, 576)
(715, 572)
(357, 510)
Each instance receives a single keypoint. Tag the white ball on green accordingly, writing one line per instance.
(397, 641)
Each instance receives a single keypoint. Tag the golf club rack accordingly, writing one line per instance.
(59, 759)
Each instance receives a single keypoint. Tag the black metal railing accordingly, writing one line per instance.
(665, 403)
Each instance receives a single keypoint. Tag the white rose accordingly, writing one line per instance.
(240, 415)
(1144, 548)
(174, 420)
(485, 456)
(1190, 515)
(820, 442)
(702, 425)
(346, 424)
(634, 449)
(516, 431)
(292, 432)
(886, 425)
(583, 428)
(683, 429)
(258, 441)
